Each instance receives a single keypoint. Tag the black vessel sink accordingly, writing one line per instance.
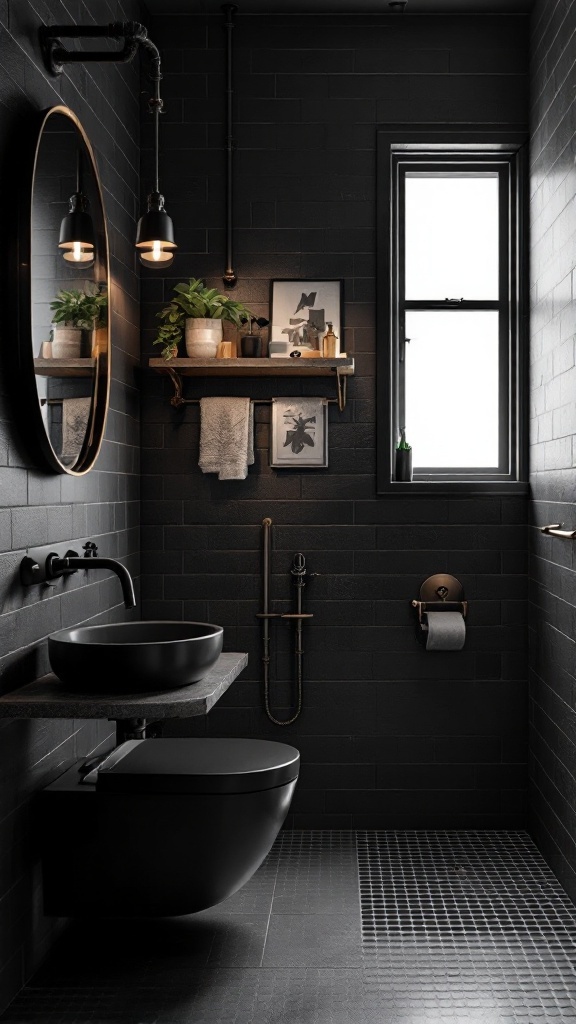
(132, 657)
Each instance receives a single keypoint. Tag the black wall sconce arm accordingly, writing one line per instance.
(131, 32)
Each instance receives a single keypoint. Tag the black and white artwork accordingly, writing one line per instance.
(300, 314)
(299, 433)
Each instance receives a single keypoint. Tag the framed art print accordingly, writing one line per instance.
(301, 311)
(299, 433)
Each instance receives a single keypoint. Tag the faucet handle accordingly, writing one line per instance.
(90, 549)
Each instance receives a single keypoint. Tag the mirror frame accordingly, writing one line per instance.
(26, 402)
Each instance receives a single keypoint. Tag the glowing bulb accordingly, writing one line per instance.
(77, 252)
(156, 251)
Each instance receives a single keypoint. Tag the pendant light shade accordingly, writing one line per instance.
(155, 234)
(77, 232)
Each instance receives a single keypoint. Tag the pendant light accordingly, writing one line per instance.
(76, 229)
(155, 232)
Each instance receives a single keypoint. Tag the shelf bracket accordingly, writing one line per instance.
(177, 399)
(341, 381)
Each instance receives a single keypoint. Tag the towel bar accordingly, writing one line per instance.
(178, 399)
(555, 530)
(339, 369)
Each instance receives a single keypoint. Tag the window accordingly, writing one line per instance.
(450, 317)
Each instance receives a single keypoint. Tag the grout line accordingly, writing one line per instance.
(261, 964)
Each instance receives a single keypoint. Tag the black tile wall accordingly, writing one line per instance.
(552, 616)
(37, 507)
(391, 737)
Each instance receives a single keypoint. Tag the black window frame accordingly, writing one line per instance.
(399, 150)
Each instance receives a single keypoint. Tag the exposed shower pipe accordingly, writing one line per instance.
(299, 573)
(229, 276)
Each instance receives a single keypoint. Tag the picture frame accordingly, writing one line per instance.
(299, 433)
(300, 310)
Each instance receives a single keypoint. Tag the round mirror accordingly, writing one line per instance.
(63, 323)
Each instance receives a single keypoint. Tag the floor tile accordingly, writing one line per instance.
(455, 928)
(313, 940)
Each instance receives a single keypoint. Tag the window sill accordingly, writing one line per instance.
(463, 488)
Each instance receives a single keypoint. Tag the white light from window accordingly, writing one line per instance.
(452, 388)
(451, 236)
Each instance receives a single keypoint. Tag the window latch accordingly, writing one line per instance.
(403, 349)
(453, 302)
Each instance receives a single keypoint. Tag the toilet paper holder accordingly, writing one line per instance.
(439, 593)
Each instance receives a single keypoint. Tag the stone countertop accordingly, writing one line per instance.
(47, 697)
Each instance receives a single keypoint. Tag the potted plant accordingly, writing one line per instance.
(198, 312)
(73, 313)
(251, 343)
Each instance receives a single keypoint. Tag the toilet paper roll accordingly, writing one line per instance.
(446, 631)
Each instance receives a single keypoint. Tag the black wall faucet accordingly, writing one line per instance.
(46, 565)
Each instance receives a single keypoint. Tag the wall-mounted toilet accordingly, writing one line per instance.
(163, 826)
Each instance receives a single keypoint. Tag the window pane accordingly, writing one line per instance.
(452, 389)
(451, 236)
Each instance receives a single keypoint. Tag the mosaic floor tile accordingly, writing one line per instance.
(337, 928)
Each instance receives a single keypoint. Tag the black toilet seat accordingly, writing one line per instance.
(198, 766)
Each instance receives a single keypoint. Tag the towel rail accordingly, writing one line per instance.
(266, 367)
(178, 399)
(555, 530)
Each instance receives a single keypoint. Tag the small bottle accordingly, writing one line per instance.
(329, 342)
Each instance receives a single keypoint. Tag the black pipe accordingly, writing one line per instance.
(229, 276)
(132, 32)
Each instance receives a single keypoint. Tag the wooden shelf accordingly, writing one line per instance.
(256, 367)
(64, 367)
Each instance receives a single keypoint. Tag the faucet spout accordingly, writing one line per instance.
(60, 566)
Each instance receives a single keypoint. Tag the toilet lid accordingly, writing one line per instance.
(197, 766)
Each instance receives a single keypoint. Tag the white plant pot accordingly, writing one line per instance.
(202, 337)
(67, 342)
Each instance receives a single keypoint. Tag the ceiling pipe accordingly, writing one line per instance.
(229, 276)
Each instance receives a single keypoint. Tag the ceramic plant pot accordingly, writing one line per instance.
(202, 337)
(67, 342)
(251, 346)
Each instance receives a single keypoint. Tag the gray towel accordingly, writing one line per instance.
(226, 437)
(75, 416)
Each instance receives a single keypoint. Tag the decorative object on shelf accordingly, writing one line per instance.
(251, 346)
(251, 343)
(299, 433)
(330, 342)
(73, 314)
(155, 233)
(301, 312)
(224, 350)
(403, 465)
(199, 312)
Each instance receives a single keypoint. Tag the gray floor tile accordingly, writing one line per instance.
(238, 940)
(313, 940)
(456, 928)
